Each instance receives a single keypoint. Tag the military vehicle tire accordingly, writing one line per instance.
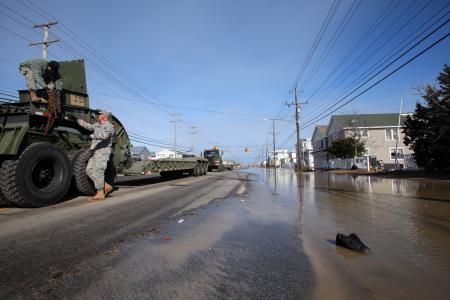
(72, 155)
(205, 168)
(3, 201)
(197, 171)
(83, 183)
(40, 176)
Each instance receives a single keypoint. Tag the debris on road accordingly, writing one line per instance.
(351, 242)
(167, 238)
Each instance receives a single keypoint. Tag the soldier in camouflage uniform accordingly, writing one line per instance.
(102, 138)
(41, 73)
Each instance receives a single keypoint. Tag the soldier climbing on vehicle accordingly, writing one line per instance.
(101, 148)
(42, 73)
(39, 72)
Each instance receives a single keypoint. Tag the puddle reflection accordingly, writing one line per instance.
(405, 223)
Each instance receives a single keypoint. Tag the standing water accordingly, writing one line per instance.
(405, 223)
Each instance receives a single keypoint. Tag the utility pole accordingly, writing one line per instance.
(397, 165)
(273, 140)
(174, 121)
(297, 105)
(193, 132)
(46, 41)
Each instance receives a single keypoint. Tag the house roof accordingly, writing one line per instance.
(138, 149)
(322, 129)
(367, 120)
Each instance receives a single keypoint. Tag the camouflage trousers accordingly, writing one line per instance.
(29, 78)
(96, 167)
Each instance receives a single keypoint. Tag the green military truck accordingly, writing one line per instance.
(37, 169)
(214, 157)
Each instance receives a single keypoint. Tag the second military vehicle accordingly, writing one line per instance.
(214, 157)
(37, 169)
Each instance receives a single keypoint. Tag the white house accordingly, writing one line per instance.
(283, 157)
(165, 153)
(306, 150)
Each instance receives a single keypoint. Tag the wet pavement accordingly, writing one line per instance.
(219, 236)
(254, 234)
(406, 224)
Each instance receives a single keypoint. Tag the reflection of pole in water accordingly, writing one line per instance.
(275, 180)
(301, 201)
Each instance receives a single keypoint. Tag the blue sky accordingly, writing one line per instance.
(230, 56)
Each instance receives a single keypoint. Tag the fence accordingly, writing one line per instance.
(410, 162)
(361, 162)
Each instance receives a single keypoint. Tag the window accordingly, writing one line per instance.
(391, 134)
(364, 132)
(400, 152)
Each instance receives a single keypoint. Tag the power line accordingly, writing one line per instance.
(337, 34)
(323, 29)
(382, 79)
(386, 58)
(15, 34)
(373, 27)
(392, 25)
(195, 108)
(82, 43)
(162, 145)
(9, 95)
(99, 56)
(388, 65)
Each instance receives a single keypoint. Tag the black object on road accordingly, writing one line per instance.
(351, 242)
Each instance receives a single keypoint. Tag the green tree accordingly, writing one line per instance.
(427, 131)
(345, 148)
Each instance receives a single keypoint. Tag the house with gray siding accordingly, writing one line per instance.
(319, 143)
(378, 132)
(141, 153)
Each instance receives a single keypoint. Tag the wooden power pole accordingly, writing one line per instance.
(46, 41)
(297, 105)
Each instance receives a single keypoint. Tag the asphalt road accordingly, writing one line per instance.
(218, 236)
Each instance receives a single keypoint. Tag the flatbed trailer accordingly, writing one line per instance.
(169, 167)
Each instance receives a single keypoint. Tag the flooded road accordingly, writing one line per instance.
(234, 235)
(406, 224)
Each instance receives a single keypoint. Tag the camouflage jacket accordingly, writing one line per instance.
(38, 67)
(102, 136)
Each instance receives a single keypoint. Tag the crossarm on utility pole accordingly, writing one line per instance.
(46, 41)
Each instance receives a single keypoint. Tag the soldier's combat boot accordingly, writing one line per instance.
(108, 188)
(99, 196)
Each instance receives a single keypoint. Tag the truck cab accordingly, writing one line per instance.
(214, 157)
